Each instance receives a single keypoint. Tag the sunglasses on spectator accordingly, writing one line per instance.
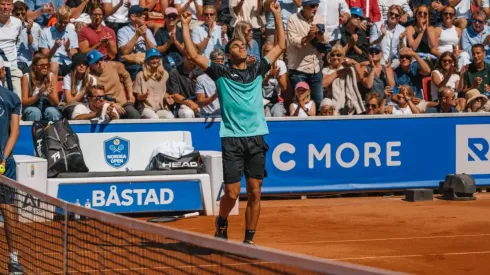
(481, 22)
(336, 55)
(99, 97)
(17, 13)
(447, 61)
(209, 14)
(422, 13)
(171, 17)
(408, 57)
(314, 6)
(371, 106)
(448, 14)
(355, 16)
(394, 14)
(42, 66)
(450, 98)
(374, 51)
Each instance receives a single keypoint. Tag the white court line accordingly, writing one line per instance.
(85, 251)
(411, 256)
(390, 239)
(153, 268)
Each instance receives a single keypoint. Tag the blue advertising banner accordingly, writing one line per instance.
(343, 154)
(130, 197)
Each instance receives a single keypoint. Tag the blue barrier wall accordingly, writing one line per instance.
(343, 154)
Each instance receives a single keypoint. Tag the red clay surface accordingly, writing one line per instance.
(433, 237)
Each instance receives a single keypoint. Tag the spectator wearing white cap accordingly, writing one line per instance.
(302, 105)
(209, 35)
(170, 42)
(307, 42)
(135, 39)
(335, 13)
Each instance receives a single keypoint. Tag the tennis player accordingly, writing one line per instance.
(9, 132)
(243, 124)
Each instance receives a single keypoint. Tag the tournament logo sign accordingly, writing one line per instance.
(116, 152)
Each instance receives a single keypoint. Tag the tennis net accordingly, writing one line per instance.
(56, 237)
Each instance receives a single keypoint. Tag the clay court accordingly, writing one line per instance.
(433, 237)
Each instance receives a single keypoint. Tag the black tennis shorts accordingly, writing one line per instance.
(243, 155)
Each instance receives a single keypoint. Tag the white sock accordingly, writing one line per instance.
(13, 257)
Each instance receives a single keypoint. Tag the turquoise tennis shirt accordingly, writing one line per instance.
(240, 98)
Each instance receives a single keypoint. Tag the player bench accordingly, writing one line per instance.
(117, 181)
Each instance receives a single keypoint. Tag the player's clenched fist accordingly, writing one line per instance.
(186, 17)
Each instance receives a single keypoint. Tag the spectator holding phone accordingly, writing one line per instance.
(353, 38)
(307, 39)
(244, 32)
(133, 40)
(404, 104)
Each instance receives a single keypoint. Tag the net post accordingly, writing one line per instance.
(65, 241)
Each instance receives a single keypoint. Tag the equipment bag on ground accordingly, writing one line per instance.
(175, 155)
(59, 145)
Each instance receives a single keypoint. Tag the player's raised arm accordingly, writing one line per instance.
(198, 59)
(279, 48)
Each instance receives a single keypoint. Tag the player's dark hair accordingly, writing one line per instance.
(478, 46)
(228, 45)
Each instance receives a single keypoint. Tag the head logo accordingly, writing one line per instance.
(116, 152)
(472, 149)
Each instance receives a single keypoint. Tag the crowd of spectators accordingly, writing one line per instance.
(125, 59)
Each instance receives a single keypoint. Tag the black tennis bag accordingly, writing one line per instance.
(165, 162)
(56, 142)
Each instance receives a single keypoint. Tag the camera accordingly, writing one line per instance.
(321, 28)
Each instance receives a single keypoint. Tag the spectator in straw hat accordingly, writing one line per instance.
(475, 101)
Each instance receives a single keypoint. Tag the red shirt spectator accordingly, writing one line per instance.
(96, 36)
(374, 12)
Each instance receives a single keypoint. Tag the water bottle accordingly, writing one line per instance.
(171, 61)
(77, 216)
(87, 204)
